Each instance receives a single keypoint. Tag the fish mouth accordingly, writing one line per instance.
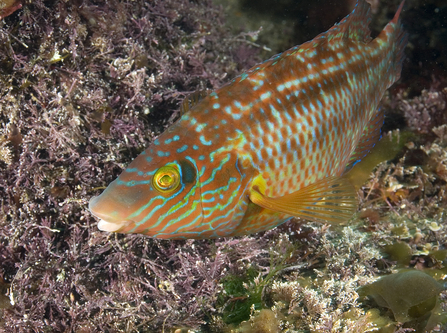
(104, 225)
(107, 222)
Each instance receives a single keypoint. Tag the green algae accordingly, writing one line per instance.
(411, 295)
(386, 149)
(399, 252)
(244, 292)
(244, 295)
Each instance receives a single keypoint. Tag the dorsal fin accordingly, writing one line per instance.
(355, 26)
(371, 135)
(192, 100)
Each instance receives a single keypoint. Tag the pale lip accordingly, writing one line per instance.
(110, 226)
(106, 222)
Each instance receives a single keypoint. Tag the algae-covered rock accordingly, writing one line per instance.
(410, 295)
(263, 322)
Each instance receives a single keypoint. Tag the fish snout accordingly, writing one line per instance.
(109, 219)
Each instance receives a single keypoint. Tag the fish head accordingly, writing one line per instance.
(189, 194)
(154, 195)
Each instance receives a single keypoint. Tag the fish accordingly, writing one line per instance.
(276, 142)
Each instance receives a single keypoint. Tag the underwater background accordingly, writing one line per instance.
(85, 86)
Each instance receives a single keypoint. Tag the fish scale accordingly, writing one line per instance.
(273, 143)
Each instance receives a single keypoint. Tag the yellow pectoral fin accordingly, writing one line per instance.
(332, 199)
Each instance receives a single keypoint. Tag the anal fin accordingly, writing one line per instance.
(371, 135)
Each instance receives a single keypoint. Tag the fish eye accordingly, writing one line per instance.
(166, 179)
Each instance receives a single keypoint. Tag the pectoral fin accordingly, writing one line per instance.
(332, 199)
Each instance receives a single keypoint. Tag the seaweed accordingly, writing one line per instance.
(411, 295)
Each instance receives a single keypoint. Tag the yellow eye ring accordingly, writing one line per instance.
(166, 179)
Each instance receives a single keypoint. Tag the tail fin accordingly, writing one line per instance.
(396, 36)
